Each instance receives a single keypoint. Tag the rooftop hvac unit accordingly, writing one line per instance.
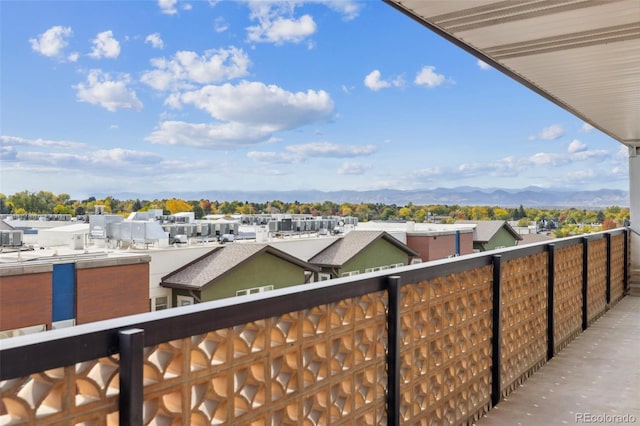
(77, 242)
(99, 225)
(11, 238)
(121, 231)
(138, 231)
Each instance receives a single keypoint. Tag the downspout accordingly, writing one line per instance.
(196, 298)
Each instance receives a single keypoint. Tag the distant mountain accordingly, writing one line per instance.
(529, 197)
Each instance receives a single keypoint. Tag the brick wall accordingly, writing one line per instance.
(26, 300)
(111, 291)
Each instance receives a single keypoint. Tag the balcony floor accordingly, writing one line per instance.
(597, 374)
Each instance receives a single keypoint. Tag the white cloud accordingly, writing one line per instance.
(349, 168)
(348, 8)
(187, 67)
(549, 133)
(100, 89)
(256, 104)
(483, 65)
(168, 7)
(186, 6)
(576, 146)
(427, 173)
(73, 57)
(282, 30)
(204, 135)
(155, 40)
(504, 167)
(374, 81)
(105, 46)
(326, 149)
(246, 114)
(548, 159)
(275, 157)
(586, 128)
(220, 25)
(597, 154)
(428, 77)
(52, 42)
(44, 143)
(8, 153)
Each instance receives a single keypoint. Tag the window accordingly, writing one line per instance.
(349, 274)
(185, 300)
(415, 261)
(63, 324)
(254, 290)
(323, 276)
(161, 303)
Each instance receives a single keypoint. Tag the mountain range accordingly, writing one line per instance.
(464, 195)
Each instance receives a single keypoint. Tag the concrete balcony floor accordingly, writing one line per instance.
(596, 379)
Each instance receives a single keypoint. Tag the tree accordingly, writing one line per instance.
(177, 206)
(609, 224)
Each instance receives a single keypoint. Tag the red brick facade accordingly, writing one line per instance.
(433, 247)
(105, 288)
(111, 292)
(25, 300)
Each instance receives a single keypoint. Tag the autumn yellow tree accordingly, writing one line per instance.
(177, 206)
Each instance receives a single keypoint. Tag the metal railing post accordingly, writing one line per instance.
(608, 277)
(625, 282)
(496, 338)
(585, 281)
(551, 302)
(393, 353)
(131, 386)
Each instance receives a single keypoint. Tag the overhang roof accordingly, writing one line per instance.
(346, 248)
(584, 55)
(220, 261)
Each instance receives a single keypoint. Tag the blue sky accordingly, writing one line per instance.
(149, 96)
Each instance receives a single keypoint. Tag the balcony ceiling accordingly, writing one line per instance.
(582, 55)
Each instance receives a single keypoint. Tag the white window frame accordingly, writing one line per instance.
(323, 276)
(254, 290)
(184, 300)
(163, 306)
(350, 273)
(416, 261)
(63, 324)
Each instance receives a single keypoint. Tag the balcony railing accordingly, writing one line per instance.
(439, 343)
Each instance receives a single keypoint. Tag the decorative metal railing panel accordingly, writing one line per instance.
(86, 392)
(524, 318)
(617, 268)
(597, 279)
(459, 335)
(446, 348)
(568, 295)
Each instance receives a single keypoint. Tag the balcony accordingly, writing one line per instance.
(442, 342)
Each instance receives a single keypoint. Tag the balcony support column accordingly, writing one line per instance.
(634, 207)
(131, 395)
(393, 352)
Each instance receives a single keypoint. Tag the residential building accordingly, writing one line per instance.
(492, 234)
(55, 288)
(359, 252)
(234, 270)
(430, 240)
